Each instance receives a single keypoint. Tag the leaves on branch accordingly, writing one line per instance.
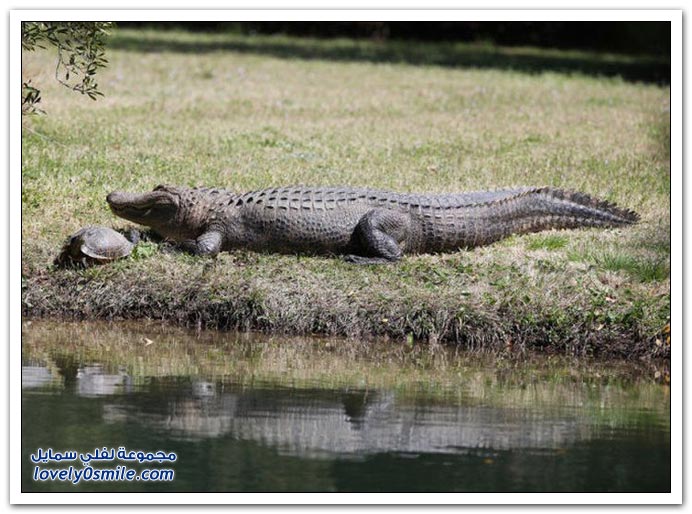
(80, 47)
(30, 99)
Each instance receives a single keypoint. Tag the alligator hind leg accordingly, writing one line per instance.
(378, 236)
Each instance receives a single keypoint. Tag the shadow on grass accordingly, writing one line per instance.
(456, 55)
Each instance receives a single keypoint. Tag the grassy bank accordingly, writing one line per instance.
(248, 113)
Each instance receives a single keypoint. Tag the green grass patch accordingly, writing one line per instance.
(643, 269)
(546, 242)
(144, 250)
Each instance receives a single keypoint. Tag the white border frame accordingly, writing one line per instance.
(16, 496)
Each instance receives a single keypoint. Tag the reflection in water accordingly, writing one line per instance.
(93, 380)
(36, 376)
(312, 424)
(260, 427)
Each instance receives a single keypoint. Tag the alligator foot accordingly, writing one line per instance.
(378, 234)
(359, 259)
(209, 244)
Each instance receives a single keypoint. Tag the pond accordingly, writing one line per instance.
(201, 411)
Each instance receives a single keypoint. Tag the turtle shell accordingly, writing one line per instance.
(101, 244)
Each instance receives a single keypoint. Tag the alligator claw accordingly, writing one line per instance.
(358, 259)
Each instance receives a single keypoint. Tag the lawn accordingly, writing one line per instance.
(249, 112)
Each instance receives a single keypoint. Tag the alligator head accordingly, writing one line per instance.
(158, 209)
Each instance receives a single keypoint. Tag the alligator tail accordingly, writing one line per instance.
(574, 207)
(535, 209)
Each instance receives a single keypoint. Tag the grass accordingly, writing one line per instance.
(643, 270)
(252, 112)
(547, 242)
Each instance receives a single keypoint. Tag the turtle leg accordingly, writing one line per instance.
(133, 235)
(378, 237)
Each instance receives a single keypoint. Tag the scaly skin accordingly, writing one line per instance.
(368, 226)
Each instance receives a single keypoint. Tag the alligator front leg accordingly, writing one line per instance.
(378, 236)
(208, 243)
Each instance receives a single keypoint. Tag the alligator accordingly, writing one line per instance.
(366, 226)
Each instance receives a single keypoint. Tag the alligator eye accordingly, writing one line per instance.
(160, 187)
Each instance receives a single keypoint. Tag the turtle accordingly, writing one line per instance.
(96, 245)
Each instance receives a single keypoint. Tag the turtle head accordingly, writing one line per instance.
(157, 209)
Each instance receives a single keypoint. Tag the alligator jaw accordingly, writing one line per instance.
(150, 209)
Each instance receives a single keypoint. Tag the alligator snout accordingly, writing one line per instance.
(120, 200)
(152, 209)
(115, 199)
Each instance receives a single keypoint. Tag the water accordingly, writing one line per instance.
(246, 413)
